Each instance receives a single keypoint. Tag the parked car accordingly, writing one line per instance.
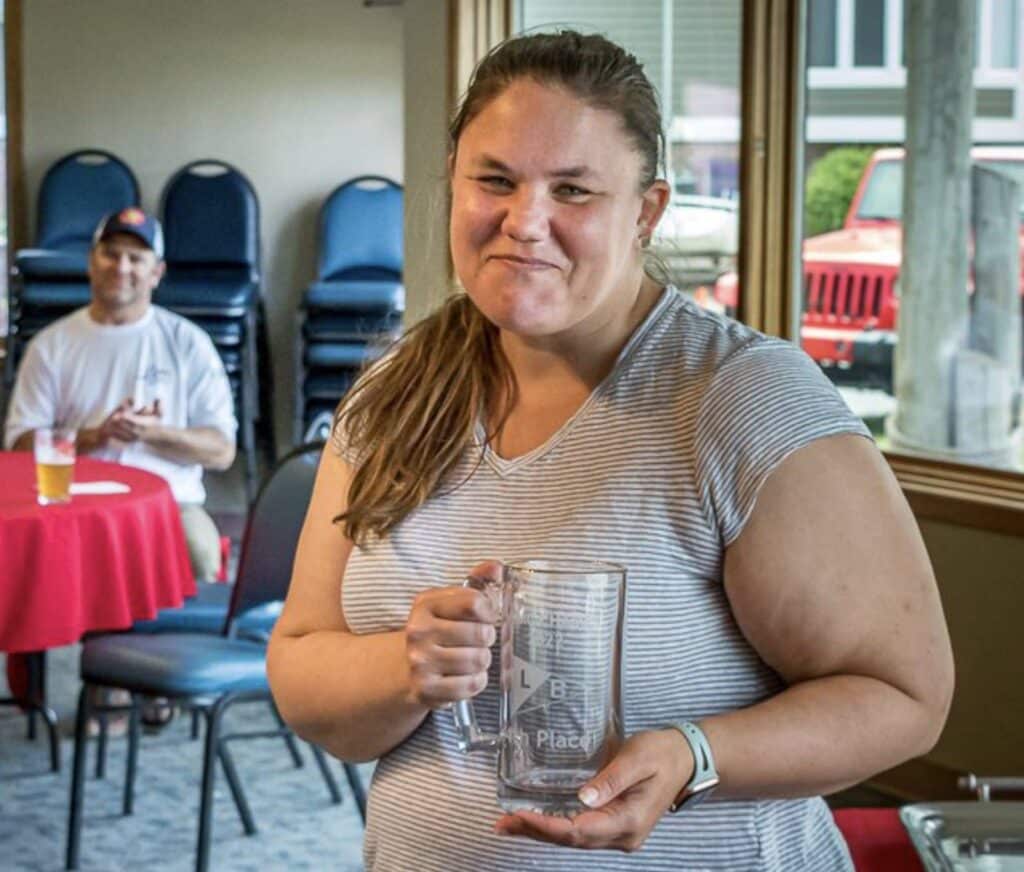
(849, 275)
(697, 239)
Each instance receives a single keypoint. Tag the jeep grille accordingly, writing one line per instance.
(852, 293)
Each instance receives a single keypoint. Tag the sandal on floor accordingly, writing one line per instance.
(117, 726)
(117, 722)
(157, 713)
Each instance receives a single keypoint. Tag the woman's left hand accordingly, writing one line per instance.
(631, 794)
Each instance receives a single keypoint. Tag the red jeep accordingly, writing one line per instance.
(850, 307)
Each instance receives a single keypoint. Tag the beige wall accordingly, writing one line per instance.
(980, 578)
(298, 95)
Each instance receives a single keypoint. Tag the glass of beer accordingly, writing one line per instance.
(55, 464)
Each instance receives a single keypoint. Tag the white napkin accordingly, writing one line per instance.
(90, 488)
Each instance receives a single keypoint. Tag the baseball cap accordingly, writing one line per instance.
(136, 222)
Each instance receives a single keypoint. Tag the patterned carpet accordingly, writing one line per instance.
(298, 827)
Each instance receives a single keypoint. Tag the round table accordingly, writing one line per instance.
(99, 562)
(96, 563)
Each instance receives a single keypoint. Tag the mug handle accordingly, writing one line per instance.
(470, 737)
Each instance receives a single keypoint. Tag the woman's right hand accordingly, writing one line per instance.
(448, 639)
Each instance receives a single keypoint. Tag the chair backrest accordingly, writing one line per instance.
(361, 230)
(76, 192)
(211, 217)
(272, 532)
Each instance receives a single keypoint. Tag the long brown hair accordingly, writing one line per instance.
(409, 419)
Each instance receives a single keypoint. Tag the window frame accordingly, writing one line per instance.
(771, 172)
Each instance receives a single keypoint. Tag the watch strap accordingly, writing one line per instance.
(705, 776)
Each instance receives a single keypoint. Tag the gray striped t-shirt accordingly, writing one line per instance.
(658, 471)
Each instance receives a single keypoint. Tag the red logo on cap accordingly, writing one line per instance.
(132, 216)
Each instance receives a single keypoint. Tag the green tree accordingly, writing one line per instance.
(831, 184)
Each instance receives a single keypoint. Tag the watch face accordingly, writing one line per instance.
(704, 786)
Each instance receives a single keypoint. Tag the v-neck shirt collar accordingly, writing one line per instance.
(507, 466)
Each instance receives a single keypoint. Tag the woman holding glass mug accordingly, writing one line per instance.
(779, 604)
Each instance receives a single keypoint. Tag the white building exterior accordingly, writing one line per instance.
(855, 75)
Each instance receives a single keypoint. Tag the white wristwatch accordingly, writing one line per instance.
(705, 777)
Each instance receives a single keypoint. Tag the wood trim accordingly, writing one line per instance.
(919, 781)
(476, 27)
(771, 150)
(17, 204)
(969, 496)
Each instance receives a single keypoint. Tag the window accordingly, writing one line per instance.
(869, 33)
(690, 49)
(821, 25)
(910, 298)
(1003, 24)
(854, 34)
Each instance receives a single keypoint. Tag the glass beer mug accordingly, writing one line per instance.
(560, 718)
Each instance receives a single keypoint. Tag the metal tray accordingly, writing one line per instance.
(967, 836)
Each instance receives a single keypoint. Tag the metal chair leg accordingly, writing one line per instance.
(134, 733)
(35, 668)
(101, 746)
(332, 785)
(12, 354)
(237, 793)
(195, 724)
(299, 374)
(355, 783)
(51, 724)
(77, 780)
(249, 403)
(37, 690)
(214, 716)
(289, 739)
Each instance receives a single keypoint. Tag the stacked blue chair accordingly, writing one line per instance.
(50, 280)
(211, 220)
(209, 672)
(356, 303)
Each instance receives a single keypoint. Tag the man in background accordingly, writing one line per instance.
(141, 385)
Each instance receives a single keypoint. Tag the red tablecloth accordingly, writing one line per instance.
(97, 563)
(878, 840)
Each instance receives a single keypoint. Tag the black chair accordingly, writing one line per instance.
(357, 300)
(51, 279)
(206, 672)
(211, 220)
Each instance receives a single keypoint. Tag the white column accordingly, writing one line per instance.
(933, 317)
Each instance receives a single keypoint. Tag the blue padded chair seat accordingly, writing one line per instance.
(175, 664)
(357, 296)
(206, 612)
(29, 325)
(47, 263)
(54, 294)
(231, 358)
(203, 613)
(328, 386)
(332, 355)
(222, 331)
(328, 328)
(207, 293)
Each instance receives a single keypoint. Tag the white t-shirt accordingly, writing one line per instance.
(76, 372)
